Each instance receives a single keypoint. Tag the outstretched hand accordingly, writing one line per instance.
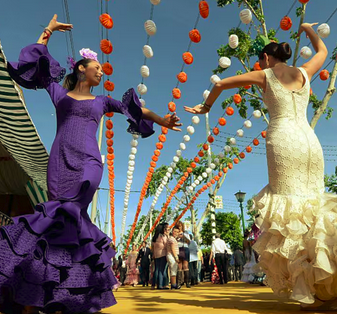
(54, 25)
(198, 109)
(172, 122)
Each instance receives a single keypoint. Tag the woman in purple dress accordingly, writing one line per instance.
(56, 259)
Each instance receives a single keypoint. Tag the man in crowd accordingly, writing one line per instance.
(238, 263)
(122, 267)
(144, 255)
(219, 251)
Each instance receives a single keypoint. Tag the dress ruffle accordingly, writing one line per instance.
(36, 68)
(298, 244)
(57, 260)
(132, 110)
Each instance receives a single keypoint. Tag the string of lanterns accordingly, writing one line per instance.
(106, 47)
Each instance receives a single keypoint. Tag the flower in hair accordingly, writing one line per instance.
(86, 53)
(71, 63)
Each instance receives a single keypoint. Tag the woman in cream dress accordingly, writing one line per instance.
(298, 244)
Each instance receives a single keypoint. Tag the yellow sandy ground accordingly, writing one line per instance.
(233, 298)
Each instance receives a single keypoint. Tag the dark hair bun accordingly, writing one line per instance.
(283, 52)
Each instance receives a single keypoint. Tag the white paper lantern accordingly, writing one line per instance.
(129, 181)
(178, 153)
(197, 182)
(182, 146)
(193, 185)
(186, 138)
(205, 175)
(173, 164)
(134, 150)
(134, 143)
(132, 168)
(129, 173)
(200, 178)
(225, 62)
(169, 169)
(233, 41)
(147, 51)
(155, 2)
(232, 140)
(135, 136)
(168, 174)
(208, 170)
(142, 89)
(142, 101)
(305, 52)
(205, 94)
(190, 188)
(246, 16)
(216, 161)
(195, 120)
(257, 114)
(227, 148)
(212, 166)
(213, 224)
(130, 177)
(215, 79)
(131, 162)
(144, 71)
(150, 27)
(175, 159)
(248, 124)
(132, 157)
(221, 155)
(323, 30)
(239, 132)
(190, 130)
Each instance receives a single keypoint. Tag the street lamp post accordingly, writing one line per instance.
(240, 196)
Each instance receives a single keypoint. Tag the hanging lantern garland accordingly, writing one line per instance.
(106, 47)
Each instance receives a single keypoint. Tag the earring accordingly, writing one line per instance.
(81, 77)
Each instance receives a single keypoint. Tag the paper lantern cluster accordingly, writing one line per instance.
(153, 164)
(111, 175)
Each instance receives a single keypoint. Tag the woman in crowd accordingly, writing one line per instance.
(132, 274)
(173, 256)
(159, 243)
(184, 255)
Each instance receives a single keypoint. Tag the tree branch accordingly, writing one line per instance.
(264, 26)
(244, 65)
(299, 38)
(252, 95)
(330, 91)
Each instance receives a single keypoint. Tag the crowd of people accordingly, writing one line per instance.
(175, 259)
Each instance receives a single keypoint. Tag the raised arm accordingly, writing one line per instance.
(53, 26)
(169, 121)
(317, 61)
(254, 77)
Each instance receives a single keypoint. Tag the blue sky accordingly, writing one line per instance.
(20, 25)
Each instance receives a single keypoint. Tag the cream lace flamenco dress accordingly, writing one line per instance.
(298, 246)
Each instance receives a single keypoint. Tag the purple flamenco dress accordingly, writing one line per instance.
(56, 259)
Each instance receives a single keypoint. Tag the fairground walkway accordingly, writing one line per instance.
(233, 298)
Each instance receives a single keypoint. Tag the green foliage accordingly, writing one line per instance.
(331, 182)
(253, 3)
(334, 54)
(316, 104)
(251, 213)
(229, 227)
(156, 179)
(299, 11)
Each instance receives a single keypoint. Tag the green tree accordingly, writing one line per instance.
(331, 182)
(229, 227)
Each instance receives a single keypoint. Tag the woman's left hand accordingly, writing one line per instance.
(171, 122)
(198, 109)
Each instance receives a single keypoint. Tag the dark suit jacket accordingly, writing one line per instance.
(238, 258)
(144, 257)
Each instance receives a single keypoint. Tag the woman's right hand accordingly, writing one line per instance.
(54, 25)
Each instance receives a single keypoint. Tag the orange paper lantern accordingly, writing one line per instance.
(109, 114)
(247, 86)
(159, 145)
(164, 130)
(216, 131)
(225, 170)
(106, 20)
(107, 68)
(237, 98)
(248, 149)
(236, 160)
(109, 134)
(110, 150)
(176, 93)
(230, 165)
(109, 142)
(195, 35)
(210, 139)
(216, 178)
(182, 77)
(196, 159)
(109, 86)
(203, 9)
(106, 46)
(242, 155)
(193, 164)
(212, 181)
(201, 153)
(154, 158)
(188, 57)
(303, 1)
(264, 134)
(205, 146)
(229, 111)
(256, 141)
(162, 138)
(209, 184)
(222, 121)
(324, 75)
(172, 106)
(286, 23)
(108, 124)
(157, 152)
